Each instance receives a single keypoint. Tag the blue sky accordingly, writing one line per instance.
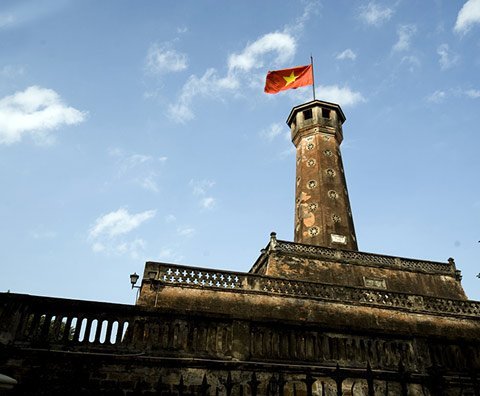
(134, 131)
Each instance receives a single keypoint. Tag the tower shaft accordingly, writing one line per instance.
(322, 207)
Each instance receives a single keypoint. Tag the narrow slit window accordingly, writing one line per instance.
(307, 114)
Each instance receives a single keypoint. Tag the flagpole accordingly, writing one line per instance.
(313, 76)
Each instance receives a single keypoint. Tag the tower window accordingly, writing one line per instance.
(307, 114)
(325, 113)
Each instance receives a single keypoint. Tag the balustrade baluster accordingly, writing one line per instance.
(45, 326)
(108, 332)
(32, 328)
(56, 328)
(67, 330)
(78, 328)
(119, 336)
(88, 328)
(22, 329)
(98, 331)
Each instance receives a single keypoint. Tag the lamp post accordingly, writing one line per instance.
(133, 280)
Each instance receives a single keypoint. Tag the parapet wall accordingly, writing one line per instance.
(274, 298)
(57, 347)
(358, 269)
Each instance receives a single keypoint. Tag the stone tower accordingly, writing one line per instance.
(305, 320)
(322, 208)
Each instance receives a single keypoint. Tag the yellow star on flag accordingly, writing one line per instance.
(290, 79)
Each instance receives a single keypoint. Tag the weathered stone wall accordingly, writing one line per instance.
(251, 297)
(293, 261)
(53, 374)
(174, 351)
(346, 274)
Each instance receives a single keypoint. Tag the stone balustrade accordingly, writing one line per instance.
(44, 321)
(93, 331)
(183, 276)
(351, 256)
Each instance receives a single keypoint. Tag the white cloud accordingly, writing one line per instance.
(98, 247)
(36, 111)
(273, 131)
(11, 71)
(167, 253)
(374, 14)
(448, 59)
(405, 34)
(437, 97)
(347, 54)
(208, 202)
(134, 160)
(153, 93)
(252, 56)
(343, 96)
(288, 152)
(472, 93)
(21, 13)
(186, 231)
(244, 69)
(148, 182)
(412, 62)
(200, 187)
(209, 85)
(115, 151)
(43, 234)
(162, 58)
(126, 162)
(139, 168)
(273, 48)
(134, 248)
(182, 29)
(310, 10)
(119, 222)
(108, 233)
(6, 20)
(468, 16)
(170, 218)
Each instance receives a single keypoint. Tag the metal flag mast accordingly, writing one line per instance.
(313, 76)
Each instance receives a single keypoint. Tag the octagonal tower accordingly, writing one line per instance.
(322, 208)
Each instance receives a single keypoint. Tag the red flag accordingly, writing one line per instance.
(280, 80)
